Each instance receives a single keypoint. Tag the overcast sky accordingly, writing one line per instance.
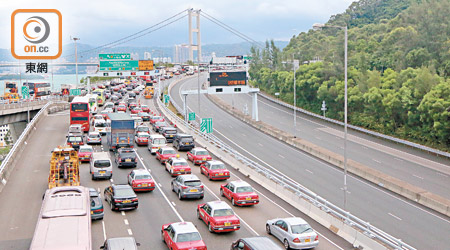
(98, 22)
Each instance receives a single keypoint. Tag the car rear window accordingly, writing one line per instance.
(187, 140)
(159, 141)
(102, 163)
(202, 152)
(124, 193)
(143, 177)
(218, 166)
(301, 228)
(180, 163)
(169, 151)
(223, 212)
(171, 131)
(244, 189)
(85, 150)
(186, 237)
(75, 139)
(192, 183)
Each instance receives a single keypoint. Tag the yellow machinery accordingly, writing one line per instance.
(148, 92)
(64, 167)
(11, 92)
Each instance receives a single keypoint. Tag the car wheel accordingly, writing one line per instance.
(232, 202)
(179, 195)
(198, 215)
(286, 244)
(93, 178)
(210, 228)
(112, 206)
(268, 229)
(162, 237)
(173, 189)
(201, 197)
(221, 193)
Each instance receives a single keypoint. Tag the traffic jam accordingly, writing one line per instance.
(113, 137)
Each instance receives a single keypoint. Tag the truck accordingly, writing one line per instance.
(64, 167)
(121, 132)
(11, 92)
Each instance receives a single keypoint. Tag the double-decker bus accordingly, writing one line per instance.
(100, 96)
(79, 112)
(93, 105)
(64, 221)
(39, 90)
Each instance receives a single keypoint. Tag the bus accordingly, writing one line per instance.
(39, 90)
(93, 105)
(64, 220)
(79, 112)
(100, 96)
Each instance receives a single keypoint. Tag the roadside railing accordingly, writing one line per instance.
(299, 190)
(26, 103)
(362, 130)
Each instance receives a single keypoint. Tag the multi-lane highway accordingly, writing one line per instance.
(413, 166)
(24, 190)
(414, 224)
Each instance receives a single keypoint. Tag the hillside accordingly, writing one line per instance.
(398, 68)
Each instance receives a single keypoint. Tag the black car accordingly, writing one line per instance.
(121, 196)
(115, 99)
(131, 95)
(168, 132)
(183, 142)
(255, 243)
(126, 157)
(119, 95)
(158, 125)
(145, 116)
(129, 88)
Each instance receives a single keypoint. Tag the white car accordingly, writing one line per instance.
(294, 232)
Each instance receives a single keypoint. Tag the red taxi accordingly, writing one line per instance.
(132, 105)
(142, 138)
(122, 108)
(177, 166)
(199, 156)
(165, 153)
(182, 236)
(240, 193)
(84, 153)
(145, 108)
(154, 119)
(218, 216)
(141, 180)
(136, 110)
(215, 170)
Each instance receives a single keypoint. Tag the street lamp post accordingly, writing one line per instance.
(295, 65)
(320, 26)
(75, 39)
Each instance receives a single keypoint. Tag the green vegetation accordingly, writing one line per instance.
(97, 78)
(398, 69)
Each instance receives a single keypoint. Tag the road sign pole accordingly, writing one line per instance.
(185, 108)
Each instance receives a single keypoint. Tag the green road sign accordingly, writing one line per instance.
(115, 56)
(191, 116)
(206, 126)
(75, 92)
(122, 65)
(166, 99)
(25, 92)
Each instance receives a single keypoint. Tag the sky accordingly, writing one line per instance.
(97, 22)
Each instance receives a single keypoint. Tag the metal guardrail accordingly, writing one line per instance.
(363, 130)
(296, 188)
(27, 103)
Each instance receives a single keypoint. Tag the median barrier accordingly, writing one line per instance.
(409, 191)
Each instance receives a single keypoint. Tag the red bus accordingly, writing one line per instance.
(39, 90)
(79, 112)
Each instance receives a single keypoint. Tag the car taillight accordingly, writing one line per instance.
(184, 187)
(135, 158)
(120, 159)
(98, 210)
(201, 186)
(135, 199)
(317, 238)
(117, 201)
(296, 240)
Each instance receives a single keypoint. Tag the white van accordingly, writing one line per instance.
(155, 142)
(101, 166)
(100, 126)
(76, 129)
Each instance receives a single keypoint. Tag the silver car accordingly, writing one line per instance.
(295, 233)
(93, 138)
(188, 186)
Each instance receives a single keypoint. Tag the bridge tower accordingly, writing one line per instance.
(194, 13)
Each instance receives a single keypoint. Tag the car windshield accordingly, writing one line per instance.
(169, 151)
(143, 177)
(218, 166)
(186, 237)
(86, 150)
(102, 163)
(159, 141)
(156, 118)
(94, 135)
(124, 193)
(192, 183)
(171, 131)
(180, 163)
(202, 152)
(95, 201)
(143, 129)
(186, 139)
(160, 124)
(74, 139)
(302, 228)
(223, 212)
(244, 189)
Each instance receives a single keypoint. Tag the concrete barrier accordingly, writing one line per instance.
(414, 193)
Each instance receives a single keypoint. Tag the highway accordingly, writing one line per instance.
(414, 224)
(413, 166)
(28, 182)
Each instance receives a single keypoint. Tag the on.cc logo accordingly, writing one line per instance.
(39, 30)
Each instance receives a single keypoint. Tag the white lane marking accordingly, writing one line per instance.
(375, 160)
(260, 144)
(123, 213)
(173, 203)
(442, 174)
(160, 184)
(364, 147)
(417, 176)
(398, 218)
(160, 190)
(230, 126)
(98, 190)
(129, 232)
(104, 230)
(126, 222)
(243, 221)
(111, 180)
(341, 147)
(398, 159)
(309, 171)
(318, 138)
(25, 142)
(281, 156)
(243, 135)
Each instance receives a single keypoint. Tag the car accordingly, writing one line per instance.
(100, 166)
(168, 132)
(97, 118)
(108, 110)
(76, 129)
(156, 118)
(182, 236)
(141, 180)
(137, 121)
(141, 138)
(85, 153)
(198, 156)
(96, 205)
(115, 99)
(183, 142)
(218, 216)
(145, 108)
(144, 116)
(142, 128)
(255, 243)
(155, 142)
(294, 232)
(157, 125)
(105, 113)
(93, 138)
(136, 110)
(215, 170)
(129, 88)
(118, 94)
(122, 107)
(165, 153)
(101, 127)
(75, 140)
(121, 197)
(240, 193)
(131, 95)
(116, 89)
(120, 243)
(177, 166)
(126, 157)
(109, 105)
(136, 91)
(188, 186)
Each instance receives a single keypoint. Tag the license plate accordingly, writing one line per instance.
(92, 212)
(248, 198)
(144, 185)
(220, 173)
(227, 223)
(193, 190)
(128, 160)
(170, 135)
(307, 240)
(186, 143)
(102, 172)
(182, 170)
(204, 159)
(126, 201)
